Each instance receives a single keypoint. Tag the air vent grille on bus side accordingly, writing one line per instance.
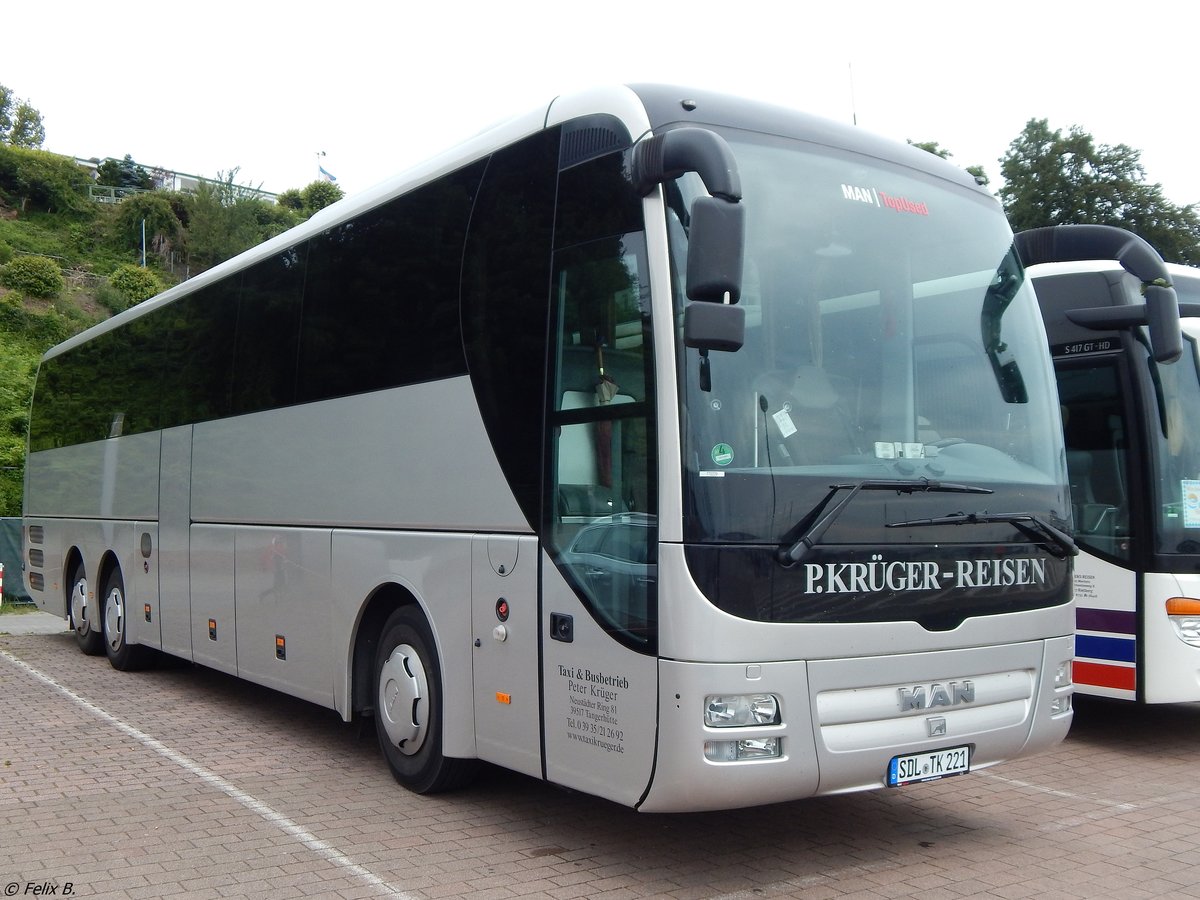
(589, 137)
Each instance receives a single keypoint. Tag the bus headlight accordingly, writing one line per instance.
(740, 710)
(1062, 675)
(1060, 705)
(736, 751)
(1184, 613)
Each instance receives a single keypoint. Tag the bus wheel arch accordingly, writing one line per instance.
(385, 600)
(407, 691)
(114, 618)
(82, 611)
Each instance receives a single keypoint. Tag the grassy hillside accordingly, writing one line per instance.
(29, 324)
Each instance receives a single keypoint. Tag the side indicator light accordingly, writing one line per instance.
(212, 629)
(1183, 606)
(503, 698)
(280, 647)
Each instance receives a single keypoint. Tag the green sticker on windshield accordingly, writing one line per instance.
(722, 454)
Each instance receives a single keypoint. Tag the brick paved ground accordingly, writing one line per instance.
(181, 782)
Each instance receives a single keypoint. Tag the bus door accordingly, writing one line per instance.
(1094, 394)
(504, 623)
(599, 568)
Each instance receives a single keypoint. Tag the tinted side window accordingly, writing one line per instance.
(176, 365)
(506, 282)
(118, 379)
(108, 387)
(268, 332)
(199, 330)
(102, 376)
(381, 294)
(53, 407)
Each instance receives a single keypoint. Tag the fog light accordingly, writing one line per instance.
(1062, 675)
(736, 751)
(1189, 629)
(1184, 613)
(740, 710)
(1060, 705)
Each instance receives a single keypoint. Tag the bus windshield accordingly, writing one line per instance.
(890, 334)
(1175, 445)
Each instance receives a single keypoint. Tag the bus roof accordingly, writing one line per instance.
(642, 108)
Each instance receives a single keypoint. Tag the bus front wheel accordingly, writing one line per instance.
(408, 707)
(83, 615)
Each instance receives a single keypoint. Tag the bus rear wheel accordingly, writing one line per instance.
(82, 612)
(408, 707)
(114, 610)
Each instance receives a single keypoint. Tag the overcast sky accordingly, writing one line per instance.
(263, 86)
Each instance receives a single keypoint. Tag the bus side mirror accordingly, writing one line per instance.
(715, 250)
(1063, 243)
(716, 232)
(714, 276)
(714, 326)
(1162, 318)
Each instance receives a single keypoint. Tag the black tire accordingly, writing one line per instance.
(408, 707)
(82, 612)
(114, 613)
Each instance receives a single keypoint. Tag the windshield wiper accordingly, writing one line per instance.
(819, 524)
(1057, 541)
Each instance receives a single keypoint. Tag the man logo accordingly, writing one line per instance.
(932, 696)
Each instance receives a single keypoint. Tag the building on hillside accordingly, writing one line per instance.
(163, 180)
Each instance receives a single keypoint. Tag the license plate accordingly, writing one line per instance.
(929, 766)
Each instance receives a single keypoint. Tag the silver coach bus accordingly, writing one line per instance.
(671, 447)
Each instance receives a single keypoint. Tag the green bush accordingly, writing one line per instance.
(6, 252)
(110, 298)
(12, 316)
(135, 283)
(53, 327)
(39, 180)
(35, 276)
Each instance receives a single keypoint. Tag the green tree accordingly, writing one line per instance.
(20, 124)
(936, 149)
(42, 181)
(318, 195)
(309, 199)
(932, 147)
(27, 128)
(154, 212)
(290, 199)
(225, 218)
(6, 111)
(1056, 179)
(123, 173)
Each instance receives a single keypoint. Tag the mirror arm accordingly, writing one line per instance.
(670, 154)
(1066, 243)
